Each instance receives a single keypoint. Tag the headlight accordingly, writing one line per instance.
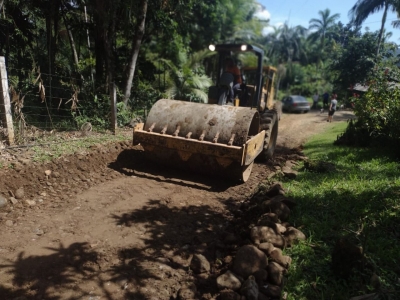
(211, 47)
(243, 47)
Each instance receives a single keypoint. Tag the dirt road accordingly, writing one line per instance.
(105, 224)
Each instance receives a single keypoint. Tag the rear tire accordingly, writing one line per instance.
(269, 123)
(278, 109)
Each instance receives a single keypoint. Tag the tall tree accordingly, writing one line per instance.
(352, 64)
(286, 43)
(322, 28)
(363, 8)
(136, 42)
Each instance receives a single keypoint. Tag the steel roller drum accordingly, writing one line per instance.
(221, 140)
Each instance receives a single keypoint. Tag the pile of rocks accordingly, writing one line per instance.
(256, 267)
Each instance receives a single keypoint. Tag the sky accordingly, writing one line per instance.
(300, 12)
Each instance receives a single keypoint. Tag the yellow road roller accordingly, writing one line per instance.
(224, 136)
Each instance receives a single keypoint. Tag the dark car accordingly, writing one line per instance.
(295, 103)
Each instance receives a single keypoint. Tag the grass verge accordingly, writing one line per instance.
(53, 148)
(359, 200)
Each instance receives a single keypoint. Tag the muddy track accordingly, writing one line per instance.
(107, 224)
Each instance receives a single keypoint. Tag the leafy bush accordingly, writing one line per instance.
(378, 110)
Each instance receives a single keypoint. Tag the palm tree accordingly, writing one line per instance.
(322, 28)
(285, 43)
(363, 8)
(186, 79)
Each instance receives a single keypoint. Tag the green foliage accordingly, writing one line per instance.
(186, 80)
(358, 200)
(353, 63)
(378, 110)
(124, 115)
(95, 112)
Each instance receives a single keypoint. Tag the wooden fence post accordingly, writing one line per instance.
(5, 105)
(113, 98)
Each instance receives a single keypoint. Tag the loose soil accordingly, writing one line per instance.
(107, 224)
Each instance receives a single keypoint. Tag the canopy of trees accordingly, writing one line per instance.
(155, 48)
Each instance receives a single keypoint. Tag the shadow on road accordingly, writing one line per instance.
(135, 162)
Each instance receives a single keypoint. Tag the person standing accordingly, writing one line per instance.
(325, 98)
(315, 99)
(332, 107)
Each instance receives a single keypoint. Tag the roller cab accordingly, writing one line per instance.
(212, 139)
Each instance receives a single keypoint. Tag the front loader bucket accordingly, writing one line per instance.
(213, 139)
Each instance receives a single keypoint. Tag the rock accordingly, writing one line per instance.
(229, 281)
(18, 166)
(30, 202)
(275, 273)
(19, 193)
(289, 173)
(280, 228)
(276, 207)
(9, 223)
(249, 260)
(261, 277)
(187, 292)
(267, 218)
(275, 189)
(266, 247)
(291, 203)
(283, 260)
(228, 259)
(278, 198)
(261, 234)
(199, 264)
(272, 291)
(293, 235)
(3, 201)
(230, 295)
(13, 200)
(38, 231)
(250, 289)
(56, 174)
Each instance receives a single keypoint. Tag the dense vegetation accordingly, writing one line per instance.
(76, 50)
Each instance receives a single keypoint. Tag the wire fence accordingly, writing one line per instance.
(42, 103)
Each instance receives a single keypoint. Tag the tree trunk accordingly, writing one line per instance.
(99, 38)
(137, 41)
(71, 42)
(382, 27)
(1, 4)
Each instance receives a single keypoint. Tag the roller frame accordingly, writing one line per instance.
(186, 147)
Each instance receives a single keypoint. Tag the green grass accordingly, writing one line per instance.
(50, 148)
(360, 199)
